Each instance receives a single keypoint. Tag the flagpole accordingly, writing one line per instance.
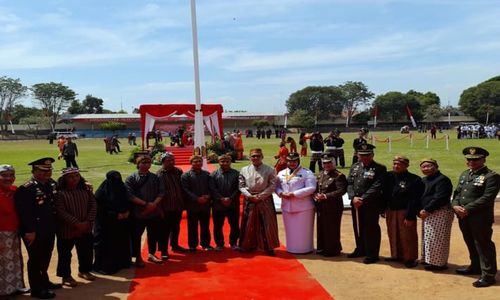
(198, 116)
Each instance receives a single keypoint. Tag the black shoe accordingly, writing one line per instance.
(192, 249)
(235, 247)
(468, 271)
(43, 294)
(436, 268)
(423, 263)
(370, 260)
(270, 252)
(391, 259)
(179, 249)
(484, 282)
(411, 263)
(208, 248)
(327, 254)
(54, 286)
(164, 256)
(354, 254)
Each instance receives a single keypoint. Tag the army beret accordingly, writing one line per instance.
(475, 152)
(44, 164)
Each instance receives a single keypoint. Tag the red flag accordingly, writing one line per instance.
(410, 115)
(375, 111)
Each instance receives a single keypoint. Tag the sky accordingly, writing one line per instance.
(253, 53)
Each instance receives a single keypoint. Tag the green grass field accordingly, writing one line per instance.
(95, 162)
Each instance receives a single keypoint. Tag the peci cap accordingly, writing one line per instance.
(475, 152)
(293, 156)
(365, 149)
(44, 164)
(429, 160)
(142, 158)
(402, 159)
(166, 155)
(67, 171)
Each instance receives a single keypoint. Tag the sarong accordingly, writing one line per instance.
(11, 263)
(259, 226)
(299, 229)
(402, 239)
(436, 233)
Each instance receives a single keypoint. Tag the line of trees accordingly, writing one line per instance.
(352, 101)
(52, 99)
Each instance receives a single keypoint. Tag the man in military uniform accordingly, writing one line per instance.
(473, 202)
(366, 179)
(35, 205)
(355, 144)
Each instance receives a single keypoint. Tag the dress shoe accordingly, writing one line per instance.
(192, 249)
(436, 268)
(69, 281)
(354, 254)
(87, 276)
(54, 286)
(391, 259)
(235, 247)
(270, 252)
(219, 248)
(21, 291)
(139, 263)
(468, 271)
(411, 263)
(208, 248)
(179, 249)
(423, 263)
(152, 258)
(43, 294)
(370, 260)
(484, 282)
(328, 254)
(164, 256)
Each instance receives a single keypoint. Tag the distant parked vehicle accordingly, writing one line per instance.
(65, 134)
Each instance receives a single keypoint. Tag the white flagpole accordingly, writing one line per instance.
(286, 120)
(198, 116)
(375, 122)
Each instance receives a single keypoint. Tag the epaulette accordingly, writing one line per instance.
(29, 183)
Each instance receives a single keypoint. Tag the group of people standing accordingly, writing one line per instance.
(106, 227)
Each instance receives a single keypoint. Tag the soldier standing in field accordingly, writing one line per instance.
(473, 203)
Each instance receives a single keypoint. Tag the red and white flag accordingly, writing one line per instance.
(410, 115)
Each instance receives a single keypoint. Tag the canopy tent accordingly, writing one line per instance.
(150, 113)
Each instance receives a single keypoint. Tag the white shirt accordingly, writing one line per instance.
(302, 183)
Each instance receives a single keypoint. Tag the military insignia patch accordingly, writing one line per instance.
(364, 146)
(472, 151)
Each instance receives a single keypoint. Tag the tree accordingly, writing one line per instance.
(11, 90)
(20, 112)
(92, 105)
(302, 119)
(433, 113)
(482, 100)
(76, 107)
(53, 98)
(260, 123)
(113, 126)
(321, 102)
(354, 95)
(392, 106)
(426, 99)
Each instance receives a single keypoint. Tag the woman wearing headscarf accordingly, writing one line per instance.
(437, 216)
(11, 261)
(112, 226)
(76, 211)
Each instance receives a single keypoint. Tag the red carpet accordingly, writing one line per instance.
(225, 275)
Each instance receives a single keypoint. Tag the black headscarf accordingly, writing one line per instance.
(112, 196)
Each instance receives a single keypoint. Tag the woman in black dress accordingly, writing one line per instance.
(112, 226)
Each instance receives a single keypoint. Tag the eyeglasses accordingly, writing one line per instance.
(255, 156)
(473, 159)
